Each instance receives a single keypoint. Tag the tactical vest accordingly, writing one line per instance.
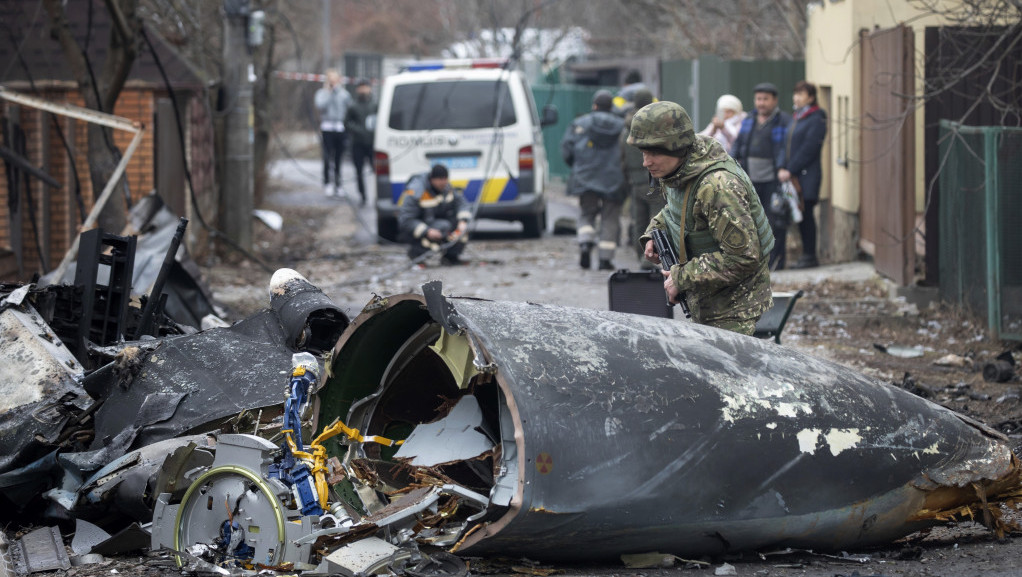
(702, 242)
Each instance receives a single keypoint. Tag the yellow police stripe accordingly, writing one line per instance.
(492, 189)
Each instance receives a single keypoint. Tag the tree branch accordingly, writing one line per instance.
(60, 29)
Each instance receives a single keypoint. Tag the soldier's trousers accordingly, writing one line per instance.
(644, 208)
(594, 206)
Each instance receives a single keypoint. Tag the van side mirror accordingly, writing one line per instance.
(549, 115)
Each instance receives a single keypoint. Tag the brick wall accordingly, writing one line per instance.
(58, 222)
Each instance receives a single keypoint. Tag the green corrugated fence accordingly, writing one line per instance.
(696, 84)
(980, 211)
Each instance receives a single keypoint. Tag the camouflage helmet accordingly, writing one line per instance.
(662, 125)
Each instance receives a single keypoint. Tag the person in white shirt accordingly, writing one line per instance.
(332, 102)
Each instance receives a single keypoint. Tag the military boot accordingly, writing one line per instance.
(585, 254)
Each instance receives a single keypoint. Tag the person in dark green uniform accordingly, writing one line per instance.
(713, 217)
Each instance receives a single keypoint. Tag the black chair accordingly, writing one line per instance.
(771, 324)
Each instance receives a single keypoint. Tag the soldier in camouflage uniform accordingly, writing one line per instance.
(713, 217)
(644, 204)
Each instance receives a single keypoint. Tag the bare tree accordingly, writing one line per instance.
(980, 44)
(196, 28)
(101, 88)
(421, 28)
(767, 29)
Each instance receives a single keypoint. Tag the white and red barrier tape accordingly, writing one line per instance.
(308, 76)
(311, 77)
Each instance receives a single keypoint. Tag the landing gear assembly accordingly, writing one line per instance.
(267, 506)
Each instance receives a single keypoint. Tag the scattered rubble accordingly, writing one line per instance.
(431, 427)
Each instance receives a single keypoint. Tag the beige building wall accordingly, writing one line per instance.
(832, 62)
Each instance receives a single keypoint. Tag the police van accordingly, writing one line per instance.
(478, 119)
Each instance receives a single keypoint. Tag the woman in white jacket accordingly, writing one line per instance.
(724, 126)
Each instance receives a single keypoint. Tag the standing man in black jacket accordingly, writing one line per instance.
(759, 148)
(360, 122)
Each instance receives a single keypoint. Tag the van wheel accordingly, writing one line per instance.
(386, 228)
(533, 226)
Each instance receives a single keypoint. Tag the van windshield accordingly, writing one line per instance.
(457, 104)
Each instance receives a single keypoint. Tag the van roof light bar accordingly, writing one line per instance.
(456, 63)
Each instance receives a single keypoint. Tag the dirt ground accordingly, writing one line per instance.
(846, 319)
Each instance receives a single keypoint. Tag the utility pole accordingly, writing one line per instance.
(236, 196)
(325, 31)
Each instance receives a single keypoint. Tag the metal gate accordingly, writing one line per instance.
(981, 206)
(887, 210)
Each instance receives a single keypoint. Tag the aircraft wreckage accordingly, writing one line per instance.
(442, 425)
(566, 434)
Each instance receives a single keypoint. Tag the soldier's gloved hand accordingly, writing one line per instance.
(650, 253)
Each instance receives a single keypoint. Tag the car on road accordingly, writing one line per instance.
(479, 119)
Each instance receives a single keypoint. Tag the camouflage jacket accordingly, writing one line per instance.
(728, 288)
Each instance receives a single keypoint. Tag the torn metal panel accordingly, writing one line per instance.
(39, 550)
(369, 556)
(623, 433)
(188, 297)
(40, 387)
(200, 380)
(457, 436)
(86, 536)
(131, 538)
(126, 484)
(152, 226)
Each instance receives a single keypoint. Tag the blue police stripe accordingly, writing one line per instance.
(471, 192)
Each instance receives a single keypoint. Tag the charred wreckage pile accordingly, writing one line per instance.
(427, 428)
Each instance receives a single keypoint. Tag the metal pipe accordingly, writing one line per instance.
(993, 262)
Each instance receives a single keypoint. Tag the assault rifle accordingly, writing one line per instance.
(668, 258)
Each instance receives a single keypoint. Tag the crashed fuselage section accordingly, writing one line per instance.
(479, 427)
(620, 433)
